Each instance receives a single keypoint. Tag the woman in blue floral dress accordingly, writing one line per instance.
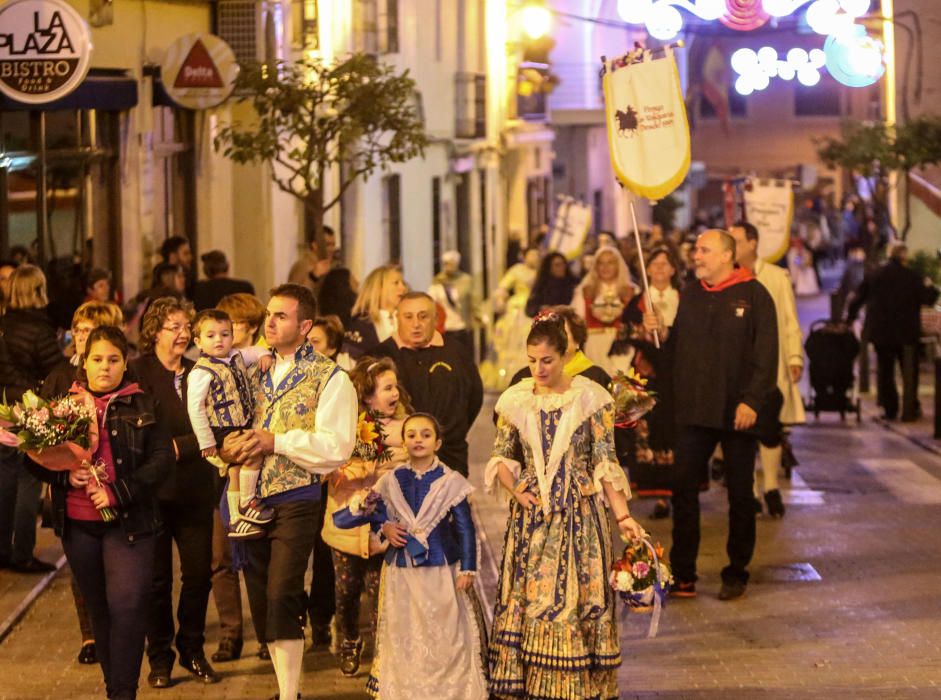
(555, 634)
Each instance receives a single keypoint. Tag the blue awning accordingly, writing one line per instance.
(108, 90)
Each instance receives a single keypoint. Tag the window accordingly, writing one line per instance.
(376, 26)
(737, 106)
(821, 100)
(304, 25)
(391, 215)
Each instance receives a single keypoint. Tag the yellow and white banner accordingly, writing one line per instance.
(769, 205)
(571, 227)
(648, 133)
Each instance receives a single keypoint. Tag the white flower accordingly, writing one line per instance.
(665, 574)
(30, 400)
(356, 504)
(623, 581)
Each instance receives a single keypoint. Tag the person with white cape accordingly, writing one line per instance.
(431, 639)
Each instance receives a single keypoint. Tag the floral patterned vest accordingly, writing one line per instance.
(229, 402)
(289, 406)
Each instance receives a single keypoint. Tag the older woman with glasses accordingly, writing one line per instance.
(186, 499)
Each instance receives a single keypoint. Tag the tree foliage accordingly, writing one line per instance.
(310, 116)
(875, 149)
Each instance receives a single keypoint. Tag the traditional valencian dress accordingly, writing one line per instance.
(431, 640)
(554, 633)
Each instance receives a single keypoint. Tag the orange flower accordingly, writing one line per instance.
(366, 429)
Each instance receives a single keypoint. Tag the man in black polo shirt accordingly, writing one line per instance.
(440, 376)
(725, 343)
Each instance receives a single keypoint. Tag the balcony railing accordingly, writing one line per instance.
(470, 108)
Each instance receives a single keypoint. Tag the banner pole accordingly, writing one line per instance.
(643, 265)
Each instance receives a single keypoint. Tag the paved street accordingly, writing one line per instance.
(844, 599)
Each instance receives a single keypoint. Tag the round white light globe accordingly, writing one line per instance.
(808, 75)
(778, 8)
(743, 85)
(786, 71)
(817, 58)
(797, 57)
(744, 60)
(760, 81)
(709, 9)
(821, 15)
(767, 56)
(537, 21)
(634, 11)
(664, 22)
(856, 8)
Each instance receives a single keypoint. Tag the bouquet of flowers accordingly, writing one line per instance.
(642, 580)
(364, 503)
(371, 439)
(632, 399)
(100, 477)
(59, 434)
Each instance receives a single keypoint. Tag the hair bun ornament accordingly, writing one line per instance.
(546, 316)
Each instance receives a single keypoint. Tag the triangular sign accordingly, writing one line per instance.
(198, 70)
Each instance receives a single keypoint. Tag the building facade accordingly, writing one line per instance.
(129, 167)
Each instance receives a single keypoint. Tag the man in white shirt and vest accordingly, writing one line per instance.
(304, 427)
(790, 358)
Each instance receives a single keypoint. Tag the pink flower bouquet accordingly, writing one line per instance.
(59, 434)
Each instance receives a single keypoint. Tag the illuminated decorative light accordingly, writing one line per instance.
(760, 81)
(709, 9)
(767, 56)
(537, 21)
(808, 75)
(664, 22)
(744, 60)
(817, 58)
(634, 11)
(854, 58)
(796, 57)
(786, 71)
(782, 8)
(743, 85)
(821, 16)
(856, 8)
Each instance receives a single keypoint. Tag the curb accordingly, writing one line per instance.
(7, 626)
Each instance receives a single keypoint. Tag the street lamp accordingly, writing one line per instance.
(536, 20)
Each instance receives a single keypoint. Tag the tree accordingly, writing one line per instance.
(874, 150)
(357, 114)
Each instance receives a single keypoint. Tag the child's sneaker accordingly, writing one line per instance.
(256, 512)
(244, 530)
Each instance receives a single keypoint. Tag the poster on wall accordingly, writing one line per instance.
(45, 50)
(570, 228)
(769, 205)
(199, 71)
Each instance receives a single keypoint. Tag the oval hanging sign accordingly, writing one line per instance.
(45, 50)
(199, 71)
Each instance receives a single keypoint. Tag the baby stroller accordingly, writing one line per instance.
(832, 348)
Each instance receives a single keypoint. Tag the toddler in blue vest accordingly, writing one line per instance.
(219, 402)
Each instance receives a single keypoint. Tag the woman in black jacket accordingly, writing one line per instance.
(554, 286)
(113, 560)
(28, 352)
(186, 499)
(86, 318)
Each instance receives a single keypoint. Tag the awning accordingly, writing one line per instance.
(108, 90)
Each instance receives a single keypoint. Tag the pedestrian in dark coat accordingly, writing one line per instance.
(893, 296)
(210, 291)
(186, 500)
(555, 284)
(113, 560)
(28, 352)
(725, 363)
(440, 376)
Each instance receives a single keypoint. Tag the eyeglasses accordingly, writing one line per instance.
(176, 329)
(81, 330)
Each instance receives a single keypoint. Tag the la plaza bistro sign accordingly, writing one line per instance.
(45, 50)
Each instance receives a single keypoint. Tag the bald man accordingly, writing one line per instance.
(725, 344)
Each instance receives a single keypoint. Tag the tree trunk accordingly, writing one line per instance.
(908, 207)
(314, 206)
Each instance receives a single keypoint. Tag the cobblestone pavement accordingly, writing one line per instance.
(864, 517)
